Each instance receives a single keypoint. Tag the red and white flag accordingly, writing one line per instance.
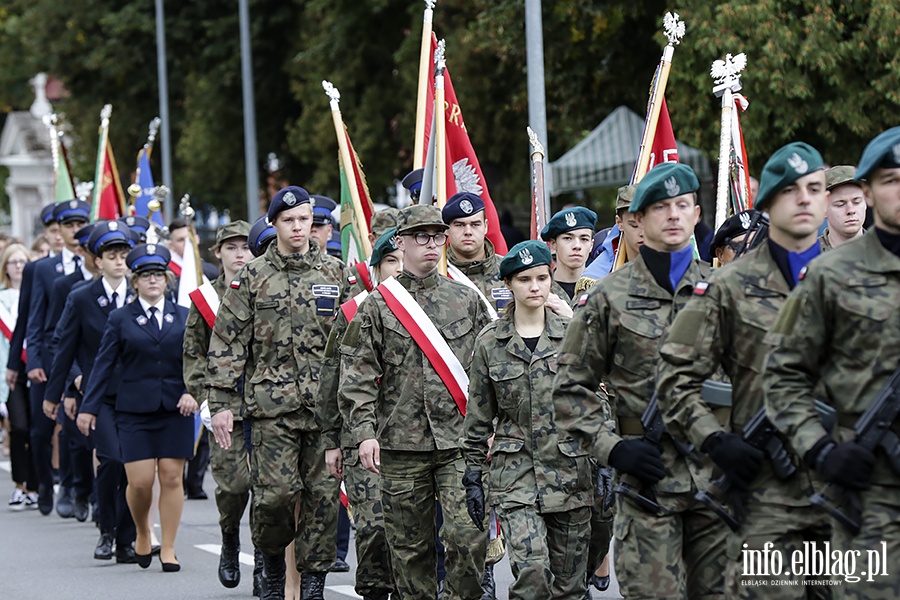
(664, 148)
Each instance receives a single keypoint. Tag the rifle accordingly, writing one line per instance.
(654, 429)
(760, 433)
(873, 430)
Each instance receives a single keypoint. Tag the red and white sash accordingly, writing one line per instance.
(207, 302)
(429, 339)
(454, 273)
(8, 325)
(362, 269)
(350, 307)
(175, 264)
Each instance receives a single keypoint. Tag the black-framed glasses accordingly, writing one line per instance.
(19, 262)
(148, 275)
(734, 245)
(423, 238)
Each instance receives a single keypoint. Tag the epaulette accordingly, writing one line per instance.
(700, 288)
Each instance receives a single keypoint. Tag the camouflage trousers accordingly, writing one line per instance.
(878, 539)
(786, 528)
(287, 465)
(231, 472)
(373, 570)
(410, 481)
(677, 556)
(548, 553)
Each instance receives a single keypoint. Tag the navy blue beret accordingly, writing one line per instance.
(286, 199)
(461, 205)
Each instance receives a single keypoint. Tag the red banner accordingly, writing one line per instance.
(664, 148)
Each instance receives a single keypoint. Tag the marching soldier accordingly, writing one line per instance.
(271, 329)
(723, 326)
(230, 468)
(671, 547)
(626, 229)
(406, 393)
(541, 488)
(374, 579)
(840, 330)
(570, 234)
(846, 207)
(470, 254)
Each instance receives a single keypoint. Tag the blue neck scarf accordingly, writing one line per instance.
(680, 261)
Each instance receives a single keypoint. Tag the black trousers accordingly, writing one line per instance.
(20, 458)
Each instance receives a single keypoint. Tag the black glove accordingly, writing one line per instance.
(739, 461)
(638, 458)
(474, 497)
(847, 464)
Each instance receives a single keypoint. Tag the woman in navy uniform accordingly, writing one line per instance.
(144, 340)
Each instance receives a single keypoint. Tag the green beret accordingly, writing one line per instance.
(525, 255)
(386, 244)
(840, 175)
(788, 164)
(419, 216)
(665, 180)
(624, 197)
(882, 151)
(577, 217)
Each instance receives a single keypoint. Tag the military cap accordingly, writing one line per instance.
(323, 210)
(260, 236)
(419, 216)
(107, 234)
(84, 234)
(413, 181)
(386, 244)
(882, 151)
(286, 199)
(384, 219)
(462, 205)
(234, 229)
(136, 223)
(72, 210)
(525, 255)
(836, 176)
(788, 164)
(47, 214)
(624, 197)
(665, 180)
(333, 248)
(148, 257)
(733, 226)
(577, 217)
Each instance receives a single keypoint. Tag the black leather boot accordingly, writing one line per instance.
(229, 561)
(257, 572)
(488, 585)
(312, 586)
(273, 577)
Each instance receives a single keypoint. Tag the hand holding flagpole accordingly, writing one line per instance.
(727, 77)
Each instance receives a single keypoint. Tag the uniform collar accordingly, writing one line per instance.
(473, 266)
(879, 257)
(644, 285)
(414, 283)
(554, 329)
(310, 259)
(160, 305)
(120, 290)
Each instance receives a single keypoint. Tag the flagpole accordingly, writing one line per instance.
(440, 140)
(362, 228)
(424, 80)
(727, 77)
(187, 211)
(105, 114)
(538, 207)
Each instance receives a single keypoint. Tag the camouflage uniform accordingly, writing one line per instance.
(615, 335)
(271, 329)
(395, 396)
(840, 328)
(542, 488)
(373, 570)
(485, 275)
(823, 241)
(230, 468)
(724, 325)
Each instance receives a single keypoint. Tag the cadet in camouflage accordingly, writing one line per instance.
(846, 210)
(230, 467)
(405, 420)
(541, 487)
(840, 329)
(374, 578)
(271, 331)
(723, 326)
(615, 336)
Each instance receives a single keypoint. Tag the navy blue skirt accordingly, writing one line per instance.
(163, 434)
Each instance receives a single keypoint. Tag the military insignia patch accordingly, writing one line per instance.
(526, 257)
(141, 320)
(393, 240)
(896, 152)
(745, 220)
(672, 187)
(129, 221)
(73, 203)
(326, 291)
(802, 274)
(290, 199)
(59, 268)
(113, 226)
(103, 301)
(352, 279)
(169, 318)
(582, 299)
(236, 284)
(570, 219)
(798, 164)
(466, 207)
(501, 294)
(700, 288)
(151, 248)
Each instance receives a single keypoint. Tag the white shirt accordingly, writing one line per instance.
(159, 309)
(120, 292)
(68, 263)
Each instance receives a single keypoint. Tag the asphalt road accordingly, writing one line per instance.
(50, 557)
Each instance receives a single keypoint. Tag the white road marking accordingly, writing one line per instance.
(246, 559)
(5, 466)
(346, 590)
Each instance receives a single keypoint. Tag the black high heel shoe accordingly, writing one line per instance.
(170, 567)
(143, 560)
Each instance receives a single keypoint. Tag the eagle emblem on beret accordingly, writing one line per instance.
(798, 164)
(570, 219)
(113, 226)
(466, 207)
(393, 242)
(745, 220)
(525, 256)
(290, 199)
(672, 187)
(151, 248)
